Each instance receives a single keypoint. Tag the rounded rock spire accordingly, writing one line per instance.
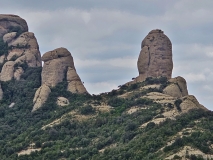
(155, 58)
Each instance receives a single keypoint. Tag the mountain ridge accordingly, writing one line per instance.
(47, 113)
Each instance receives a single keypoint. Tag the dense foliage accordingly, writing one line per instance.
(110, 135)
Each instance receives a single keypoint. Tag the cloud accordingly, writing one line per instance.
(193, 77)
(101, 87)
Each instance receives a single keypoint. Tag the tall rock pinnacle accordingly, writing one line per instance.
(58, 67)
(155, 58)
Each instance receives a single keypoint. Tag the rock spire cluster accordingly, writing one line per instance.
(19, 50)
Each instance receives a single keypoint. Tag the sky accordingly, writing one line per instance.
(104, 37)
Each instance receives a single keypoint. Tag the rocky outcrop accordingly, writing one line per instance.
(62, 101)
(177, 87)
(7, 72)
(190, 102)
(155, 58)
(74, 82)
(10, 23)
(59, 66)
(22, 47)
(55, 66)
(25, 49)
(41, 96)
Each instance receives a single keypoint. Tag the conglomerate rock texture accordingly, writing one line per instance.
(155, 58)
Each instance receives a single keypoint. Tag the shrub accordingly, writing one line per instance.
(177, 104)
(3, 47)
(150, 125)
(87, 110)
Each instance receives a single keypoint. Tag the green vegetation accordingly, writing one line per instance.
(177, 104)
(3, 47)
(103, 135)
(16, 29)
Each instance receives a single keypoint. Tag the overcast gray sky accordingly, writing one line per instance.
(104, 37)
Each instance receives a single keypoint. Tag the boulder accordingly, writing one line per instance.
(181, 82)
(173, 90)
(12, 23)
(62, 101)
(177, 87)
(155, 58)
(41, 96)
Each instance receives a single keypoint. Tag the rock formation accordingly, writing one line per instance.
(58, 66)
(41, 96)
(55, 66)
(74, 82)
(62, 101)
(9, 23)
(190, 102)
(155, 58)
(177, 87)
(21, 47)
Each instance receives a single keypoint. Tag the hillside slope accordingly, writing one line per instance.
(123, 124)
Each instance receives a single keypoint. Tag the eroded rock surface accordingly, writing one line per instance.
(7, 72)
(55, 66)
(177, 88)
(190, 102)
(59, 66)
(62, 101)
(9, 23)
(155, 58)
(22, 47)
(74, 82)
(41, 96)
